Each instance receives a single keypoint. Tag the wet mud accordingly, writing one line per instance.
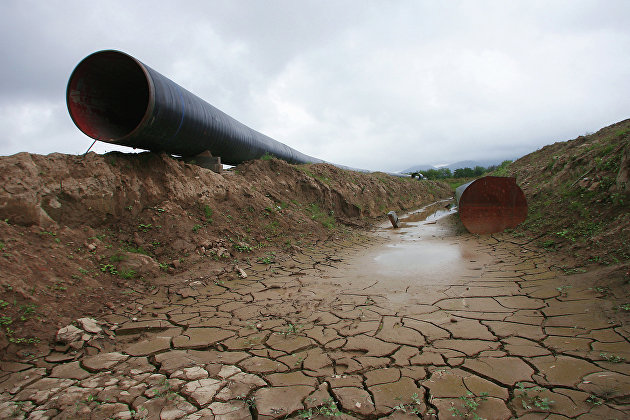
(422, 321)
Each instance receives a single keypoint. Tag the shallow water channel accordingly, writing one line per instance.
(422, 251)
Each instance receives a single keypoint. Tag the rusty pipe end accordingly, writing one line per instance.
(491, 204)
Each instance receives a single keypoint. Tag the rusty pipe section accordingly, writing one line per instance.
(491, 204)
(115, 98)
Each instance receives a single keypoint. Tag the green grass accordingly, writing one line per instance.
(317, 214)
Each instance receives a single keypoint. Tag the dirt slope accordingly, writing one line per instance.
(78, 232)
(578, 194)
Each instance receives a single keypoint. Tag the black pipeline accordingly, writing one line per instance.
(115, 98)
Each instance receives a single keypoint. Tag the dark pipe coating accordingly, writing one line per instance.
(115, 98)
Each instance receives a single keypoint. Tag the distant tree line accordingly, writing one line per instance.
(443, 173)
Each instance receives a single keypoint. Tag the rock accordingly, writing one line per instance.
(241, 273)
(69, 334)
(141, 264)
(89, 325)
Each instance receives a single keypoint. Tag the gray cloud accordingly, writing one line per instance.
(366, 84)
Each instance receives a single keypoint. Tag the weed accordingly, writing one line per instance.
(196, 228)
(59, 286)
(145, 227)
(250, 402)
(165, 390)
(267, 156)
(135, 250)
(83, 270)
(208, 212)
(470, 404)
(612, 358)
(569, 271)
(530, 402)
(109, 268)
(413, 408)
(602, 290)
(270, 258)
(624, 307)
(548, 244)
(242, 247)
(129, 274)
(563, 290)
(291, 329)
(317, 214)
(116, 258)
(327, 409)
(592, 399)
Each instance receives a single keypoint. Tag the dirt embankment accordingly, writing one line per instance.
(77, 232)
(578, 194)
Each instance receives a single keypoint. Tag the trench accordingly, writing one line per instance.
(423, 319)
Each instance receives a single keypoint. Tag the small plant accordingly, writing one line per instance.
(83, 271)
(530, 402)
(268, 259)
(207, 212)
(624, 307)
(548, 245)
(250, 402)
(129, 274)
(165, 390)
(470, 404)
(413, 407)
(59, 286)
(594, 400)
(116, 258)
(145, 227)
(563, 290)
(109, 268)
(291, 329)
(196, 228)
(327, 409)
(242, 247)
(612, 358)
(163, 266)
(267, 156)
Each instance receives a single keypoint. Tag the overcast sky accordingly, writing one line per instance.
(377, 85)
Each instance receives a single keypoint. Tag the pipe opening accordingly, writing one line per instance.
(108, 95)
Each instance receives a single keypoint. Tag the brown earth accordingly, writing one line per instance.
(79, 233)
(578, 193)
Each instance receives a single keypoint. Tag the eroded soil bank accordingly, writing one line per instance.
(366, 326)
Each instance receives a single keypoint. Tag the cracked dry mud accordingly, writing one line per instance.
(405, 323)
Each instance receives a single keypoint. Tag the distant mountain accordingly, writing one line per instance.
(452, 166)
(418, 168)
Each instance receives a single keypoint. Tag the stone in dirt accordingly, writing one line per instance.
(69, 334)
(89, 325)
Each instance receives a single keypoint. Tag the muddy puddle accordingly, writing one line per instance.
(422, 252)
